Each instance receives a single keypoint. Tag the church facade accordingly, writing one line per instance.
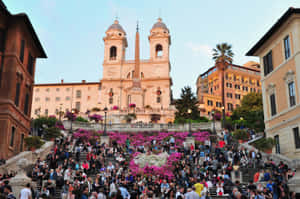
(138, 86)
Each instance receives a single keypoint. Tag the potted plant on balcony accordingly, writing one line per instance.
(96, 117)
(147, 107)
(132, 105)
(129, 117)
(115, 108)
(265, 144)
(33, 142)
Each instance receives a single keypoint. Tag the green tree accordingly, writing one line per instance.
(251, 110)
(187, 101)
(223, 56)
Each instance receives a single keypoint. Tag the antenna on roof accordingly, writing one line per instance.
(159, 13)
(137, 25)
(117, 17)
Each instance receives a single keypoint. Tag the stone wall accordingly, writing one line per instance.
(31, 156)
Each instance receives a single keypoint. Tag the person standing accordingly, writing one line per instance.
(26, 192)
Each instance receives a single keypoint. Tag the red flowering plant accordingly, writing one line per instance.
(60, 125)
(115, 108)
(96, 118)
(132, 105)
(70, 116)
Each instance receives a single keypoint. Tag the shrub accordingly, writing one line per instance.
(81, 119)
(240, 135)
(40, 121)
(96, 118)
(34, 142)
(52, 133)
(264, 144)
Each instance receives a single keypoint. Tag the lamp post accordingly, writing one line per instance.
(105, 112)
(223, 117)
(71, 130)
(190, 130)
(214, 125)
(60, 107)
(242, 119)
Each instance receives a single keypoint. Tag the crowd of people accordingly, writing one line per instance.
(207, 169)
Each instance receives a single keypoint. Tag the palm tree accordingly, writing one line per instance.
(223, 56)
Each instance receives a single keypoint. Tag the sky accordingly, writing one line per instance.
(72, 31)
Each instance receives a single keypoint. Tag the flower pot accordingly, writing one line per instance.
(268, 151)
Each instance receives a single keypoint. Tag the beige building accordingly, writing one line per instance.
(279, 53)
(50, 99)
(239, 81)
(143, 82)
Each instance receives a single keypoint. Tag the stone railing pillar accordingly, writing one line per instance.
(20, 180)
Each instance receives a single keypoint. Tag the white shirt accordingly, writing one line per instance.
(25, 193)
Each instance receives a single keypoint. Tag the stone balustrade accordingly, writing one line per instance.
(30, 156)
(137, 127)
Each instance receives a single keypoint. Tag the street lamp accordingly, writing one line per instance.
(223, 116)
(60, 112)
(72, 112)
(190, 130)
(214, 125)
(242, 119)
(105, 112)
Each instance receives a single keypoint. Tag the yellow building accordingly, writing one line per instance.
(278, 51)
(239, 81)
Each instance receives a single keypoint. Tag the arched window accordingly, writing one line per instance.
(158, 50)
(142, 75)
(128, 76)
(113, 53)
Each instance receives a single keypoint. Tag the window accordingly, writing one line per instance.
(245, 88)
(296, 137)
(209, 103)
(78, 94)
(287, 48)
(2, 39)
(229, 95)
(46, 111)
(158, 99)
(12, 136)
(48, 89)
(37, 99)
(67, 89)
(22, 142)
(228, 85)
(159, 50)
(111, 100)
(273, 104)
(268, 63)
(237, 86)
(257, 83)
(57, 89)
(47, 99)
(57, 99)
(67, 98)
(230, 107)
(30, 64)
(26, 105)
(77, 105)
(237, 96)
(129, 99)
(277, 145)
(292, 95)
(17, 97)
(37, 90)
(218, 104)
(113, 53)
(22, 51)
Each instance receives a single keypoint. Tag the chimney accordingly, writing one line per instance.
(83, 81)
(62, 81)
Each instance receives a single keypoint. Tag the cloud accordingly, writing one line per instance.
(199, 49)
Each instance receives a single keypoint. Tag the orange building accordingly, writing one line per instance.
(279, 53)
(19, 48)
(239, 81)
